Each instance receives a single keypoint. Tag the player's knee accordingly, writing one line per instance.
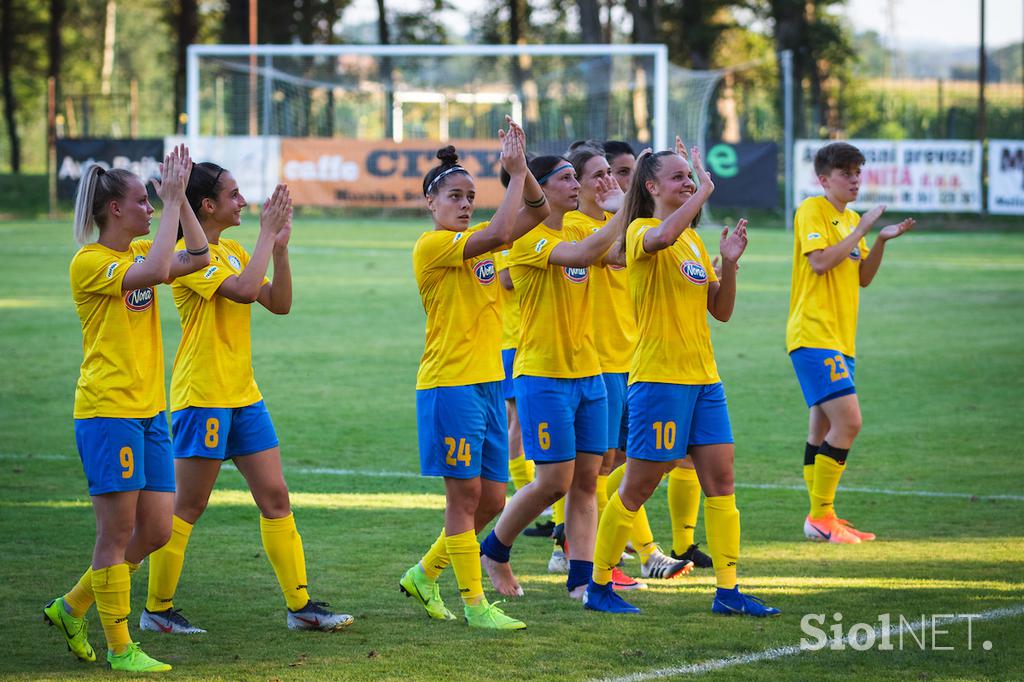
(274, 503)
(587, 486)
(190, 509)
(490, 507)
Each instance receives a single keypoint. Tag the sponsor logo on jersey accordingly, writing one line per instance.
(110, 269)
(814, 235)
(139, 259)
(694, 271)
(855, 254)
(484, 271)
(209, 272)
(576, 275)
(234, 262)
(835, 222)
(540, 245)
(138, 300)
(457, 237)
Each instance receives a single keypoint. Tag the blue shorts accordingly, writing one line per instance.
(665, 420)
(618, 414)
(823, 374)
(508, 359)
(560, 417)
(222, 432)
(463, 431)
(125, 454)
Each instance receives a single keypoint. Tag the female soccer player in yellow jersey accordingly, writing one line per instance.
(120, 426)
(460, 417)
(559, 392)
(677, 405)
(621, 161)
(831, 261)
(217, 411)
(615, 338)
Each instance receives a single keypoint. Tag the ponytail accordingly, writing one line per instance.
(96, 189)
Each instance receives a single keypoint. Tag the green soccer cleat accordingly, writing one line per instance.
(75, 630)
(415, 583)
(135, 660)
(489, 616)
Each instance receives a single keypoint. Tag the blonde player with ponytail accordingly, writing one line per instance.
(120, 424)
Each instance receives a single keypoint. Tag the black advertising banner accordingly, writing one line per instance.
(140, 156)
(745, 174)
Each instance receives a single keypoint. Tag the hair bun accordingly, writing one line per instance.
(448, 155)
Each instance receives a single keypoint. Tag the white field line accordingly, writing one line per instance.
(920, 627)
(327, 471)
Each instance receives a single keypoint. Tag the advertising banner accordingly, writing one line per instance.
(906, 175)
(253, 161)
(745, 174)
(140, 156)
(1006, 177)
(348, 172)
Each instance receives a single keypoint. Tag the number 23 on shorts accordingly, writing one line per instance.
(836, 367)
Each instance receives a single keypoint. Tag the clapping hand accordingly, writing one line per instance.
(610, 196)
(733, 245)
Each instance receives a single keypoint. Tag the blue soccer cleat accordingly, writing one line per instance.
(735, 603)
(603, 598)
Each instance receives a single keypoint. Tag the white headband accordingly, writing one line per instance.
(449, 171)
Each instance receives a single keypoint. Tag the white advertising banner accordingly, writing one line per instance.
(905, 175)
(1006, 177)
(254, 161)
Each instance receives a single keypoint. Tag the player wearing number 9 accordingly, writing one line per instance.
(676, 403)
(217, 410)
(460, 416)
(831, 262)
(120, 425)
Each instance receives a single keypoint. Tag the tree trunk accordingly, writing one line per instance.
(790, 28)
(645, 23)
(596, 73)
(10, 106)
(387, 70)
(522, 75)
(55, 50)
(188, 29)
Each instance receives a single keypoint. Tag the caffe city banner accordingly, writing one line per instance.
(344, 172)
(907, 175)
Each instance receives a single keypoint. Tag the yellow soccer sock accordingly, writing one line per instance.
(558, 512)
(722, 525)
(283, 545)
(165, 567)
(809, 479)
(602, 495)
(642, 536)
(464, 551)
(519, 471)
(827, 473)
(614, 480)
(112, 587)
(436, 559)
(80, 598)
(683, 506)
(612, 533)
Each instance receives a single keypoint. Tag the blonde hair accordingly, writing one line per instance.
(96, 189)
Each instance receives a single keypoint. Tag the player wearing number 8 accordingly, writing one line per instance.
(217, 411)
(676, 403)
(831, 261)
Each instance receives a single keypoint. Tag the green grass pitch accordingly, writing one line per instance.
(940, 376)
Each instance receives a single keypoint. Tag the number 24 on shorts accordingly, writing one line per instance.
(464, 456)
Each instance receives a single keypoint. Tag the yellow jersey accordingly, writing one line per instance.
(460, 297)
(823, 308)
(509, 305)
(122, 373)
(213, 366)
(614, 325)
(670, 296)
(556, 335)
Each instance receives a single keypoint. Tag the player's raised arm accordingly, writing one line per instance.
(679, 174)
(722, 294)
(825, 259)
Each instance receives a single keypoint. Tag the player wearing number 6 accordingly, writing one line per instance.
(676, 403)
(831, 261)
(120, 424)
(460, 411)
(217, 411)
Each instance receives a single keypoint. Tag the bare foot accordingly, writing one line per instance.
(501, 577)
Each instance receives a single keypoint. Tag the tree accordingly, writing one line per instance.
(7, 71)
(597, 71)
(187, 25)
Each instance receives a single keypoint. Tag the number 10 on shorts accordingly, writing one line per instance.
(463, 455)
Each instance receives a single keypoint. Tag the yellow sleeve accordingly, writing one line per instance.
(705, 259)
(810, 228)
(441, 249)
(534, 249)
(205, 282)
(99, 272)
(635, 241)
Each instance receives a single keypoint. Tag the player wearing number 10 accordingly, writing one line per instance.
(120, 425)
(831, 261)
(460, 416)
(217, 411)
